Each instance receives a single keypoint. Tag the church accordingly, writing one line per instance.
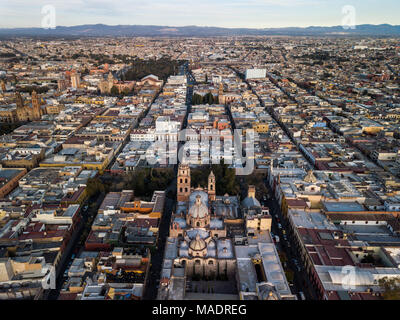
(199, 227)
(23, 112)
(216, 244)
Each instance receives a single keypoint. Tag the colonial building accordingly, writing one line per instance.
(22, 111)
(198, 246)
(257, 218)
(106, 85)
(148, 82)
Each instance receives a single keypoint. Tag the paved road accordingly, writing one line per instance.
(153, 278)
(301, 281)
(74, 245)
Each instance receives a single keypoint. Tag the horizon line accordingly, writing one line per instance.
(198, 26)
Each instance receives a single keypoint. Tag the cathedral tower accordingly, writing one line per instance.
(183, 183)
(211, 187)
(35, 106)
(19, 100)
(221, 98)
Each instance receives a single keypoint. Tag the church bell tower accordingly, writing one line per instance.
(211, 187)
(183, 183)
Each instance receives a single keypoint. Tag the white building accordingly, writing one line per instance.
(256, 73)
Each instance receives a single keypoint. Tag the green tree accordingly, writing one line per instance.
(391, 288)
(197, 99)
(94, 186)
(114, 91)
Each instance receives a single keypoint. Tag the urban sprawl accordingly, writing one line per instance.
(121, 175)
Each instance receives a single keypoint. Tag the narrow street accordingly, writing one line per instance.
(286, 245)
(279, 226)
(157, 257)
(75, 245)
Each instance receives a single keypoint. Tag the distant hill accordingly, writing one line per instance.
(98, 30)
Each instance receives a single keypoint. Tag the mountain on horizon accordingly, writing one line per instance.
(99, 30)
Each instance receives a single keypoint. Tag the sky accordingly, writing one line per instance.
(219, 13)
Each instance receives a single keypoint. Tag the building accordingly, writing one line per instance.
(9, 180)
(106, 84)
(21, 111)
(198, 247)
(75, 80)
(255, 74)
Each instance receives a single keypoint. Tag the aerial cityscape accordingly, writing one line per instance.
(149, 162)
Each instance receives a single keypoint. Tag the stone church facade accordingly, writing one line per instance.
(203, 248)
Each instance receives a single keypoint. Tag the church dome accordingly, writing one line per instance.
(266, 291)
(198, 209)
(250, 202)
(198, 244)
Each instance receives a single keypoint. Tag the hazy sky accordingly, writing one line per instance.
(222, 13)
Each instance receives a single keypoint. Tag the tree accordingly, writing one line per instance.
(197, 99)
(145, 181)
(391, 288)
(126, 91)
(226, 180)
(114, 91)
(162, 68)
(94, 186)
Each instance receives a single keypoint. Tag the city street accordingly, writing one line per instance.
(153, 279)
(301, 282)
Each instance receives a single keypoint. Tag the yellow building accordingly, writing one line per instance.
(261, 127)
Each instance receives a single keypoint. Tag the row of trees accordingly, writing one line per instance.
(225, 177)
(143, 181)
(146, 181)
(115, 92)
(163, 68)
(38, 89)
(6, 128)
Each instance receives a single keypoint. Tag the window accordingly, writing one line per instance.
(210, 262)
(180, 189)
(186, 189)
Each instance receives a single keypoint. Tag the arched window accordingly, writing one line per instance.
(198, 224)
(210, 262)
